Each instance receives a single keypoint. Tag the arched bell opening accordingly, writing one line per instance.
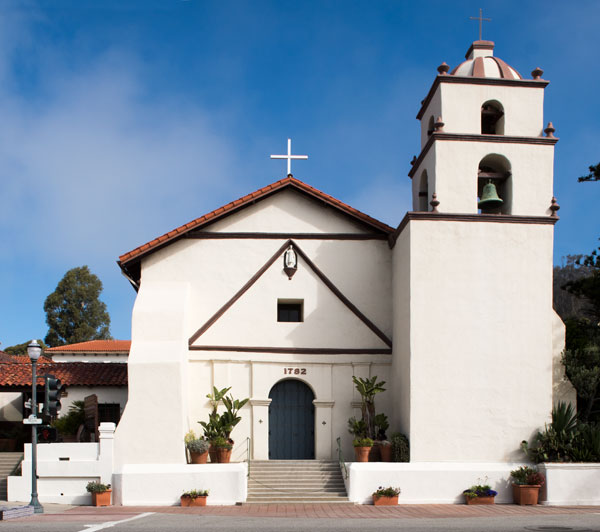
(494, 185)
(423, 204)
(492, 118)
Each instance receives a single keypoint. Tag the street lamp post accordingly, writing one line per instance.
(34, 351)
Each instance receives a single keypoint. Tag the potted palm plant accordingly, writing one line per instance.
(526, 484)
(386, 496)
(100, 493)
(197, 447)
(194, 498)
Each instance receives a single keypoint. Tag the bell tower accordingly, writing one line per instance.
(475, 335)
(482, 123)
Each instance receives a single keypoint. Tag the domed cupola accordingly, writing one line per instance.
(481, 63)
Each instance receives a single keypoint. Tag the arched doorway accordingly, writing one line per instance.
(291, 421)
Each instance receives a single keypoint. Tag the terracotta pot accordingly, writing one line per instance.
(362, 454)
(199, 458)
(374, 453)
(525, 494)
(212, 452)
(223, 455)
(480, 500)
(385, 501)
(101, 499)
(386, 453)
(197, 501)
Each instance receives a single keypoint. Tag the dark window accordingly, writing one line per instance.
(109, 412)
(289, 311)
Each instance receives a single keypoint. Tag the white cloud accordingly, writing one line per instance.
(96, 166)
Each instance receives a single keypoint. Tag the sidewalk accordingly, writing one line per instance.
(346, 511)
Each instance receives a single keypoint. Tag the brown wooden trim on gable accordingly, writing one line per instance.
(477, 138)
(319, 274)
(540, 83)
(203, 235)
(450, 217)
(238, 294)
(291, 350)
(344, 299)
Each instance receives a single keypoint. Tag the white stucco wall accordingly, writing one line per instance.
(11, 406)
(480, 338)
(523, 108)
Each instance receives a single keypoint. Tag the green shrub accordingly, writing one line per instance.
(195, 444)
(69, 423)
(362, 442)
(97, 487)
(400, 448)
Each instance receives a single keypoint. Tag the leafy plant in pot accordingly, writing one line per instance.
(527, 482)
(223, 448)
(362, 446)
(100, 493)
(197, 447)
(480, 493)
(386, 496)
(194, 498)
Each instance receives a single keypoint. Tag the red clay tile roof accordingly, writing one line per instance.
(5, 357)
(244, 201)
(93, 346)
(70, 373)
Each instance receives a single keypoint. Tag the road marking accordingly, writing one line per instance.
(108, 524)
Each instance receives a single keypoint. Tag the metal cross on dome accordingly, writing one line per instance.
(480, 19)
(289, 157)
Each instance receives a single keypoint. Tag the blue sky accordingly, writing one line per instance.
(120, 120)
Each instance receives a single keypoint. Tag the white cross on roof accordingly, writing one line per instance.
(289, 157)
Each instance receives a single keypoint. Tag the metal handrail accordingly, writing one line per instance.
(248, 454)
(341, 457)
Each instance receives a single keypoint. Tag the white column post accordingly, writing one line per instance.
(260, 428)
(323, 428)
(106, 451)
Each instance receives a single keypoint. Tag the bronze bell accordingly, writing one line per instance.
(490, 201)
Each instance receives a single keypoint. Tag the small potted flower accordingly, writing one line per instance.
(223, 447)
(480, 494)
(527, 482)
(362, 447)
(100, 493)
(197, 447)
(386, 496)
(194, 498)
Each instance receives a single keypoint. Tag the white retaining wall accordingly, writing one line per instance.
(571, 484)
(64, 469)
(163, 484)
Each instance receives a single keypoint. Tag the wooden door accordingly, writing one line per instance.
(291, 421)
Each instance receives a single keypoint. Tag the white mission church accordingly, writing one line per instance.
(288, 292)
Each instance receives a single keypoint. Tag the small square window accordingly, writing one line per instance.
(290, 310)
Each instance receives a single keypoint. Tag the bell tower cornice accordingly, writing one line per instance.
(531, 83)
(416, 163)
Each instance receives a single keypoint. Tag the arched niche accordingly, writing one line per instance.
(492, 118)
(423, 204)
(496, 168)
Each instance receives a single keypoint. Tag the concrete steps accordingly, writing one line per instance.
(8, 462)
(296, 481)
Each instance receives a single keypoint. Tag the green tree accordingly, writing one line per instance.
(594, 174)
(74, 312)
(21, 349)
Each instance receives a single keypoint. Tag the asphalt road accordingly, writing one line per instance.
(159, 522)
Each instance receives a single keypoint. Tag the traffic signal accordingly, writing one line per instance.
(53, 390)
(47, 434)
